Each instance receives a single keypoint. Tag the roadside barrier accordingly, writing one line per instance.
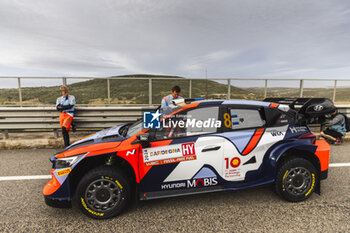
(47, 118)
(19, 119)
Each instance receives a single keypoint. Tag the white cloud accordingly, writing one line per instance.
(228, 38)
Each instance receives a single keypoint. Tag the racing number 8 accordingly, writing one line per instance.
(227, 122)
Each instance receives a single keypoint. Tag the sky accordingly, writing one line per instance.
(227, 38)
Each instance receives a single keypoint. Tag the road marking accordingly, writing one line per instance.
(37, 177)
(46, 177)
(339, 165)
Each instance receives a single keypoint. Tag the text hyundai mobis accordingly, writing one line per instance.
(244, 144)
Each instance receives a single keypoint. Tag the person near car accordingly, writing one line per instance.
(337, 128)
(175, 94)
(65, 104)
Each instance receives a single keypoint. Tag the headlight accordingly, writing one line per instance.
(67, 162)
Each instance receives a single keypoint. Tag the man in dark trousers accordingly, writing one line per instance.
(65, 104)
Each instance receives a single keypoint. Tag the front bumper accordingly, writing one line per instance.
(57, 190)
(58, 203)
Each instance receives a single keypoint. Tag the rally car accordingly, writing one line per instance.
(188, 148)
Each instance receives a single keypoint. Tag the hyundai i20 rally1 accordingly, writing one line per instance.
(189, 148)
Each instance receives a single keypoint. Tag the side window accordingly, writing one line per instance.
(193, 122)
(202, 121)
(275, 117)
(245, 118)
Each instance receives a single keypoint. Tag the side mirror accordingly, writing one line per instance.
(143, 137)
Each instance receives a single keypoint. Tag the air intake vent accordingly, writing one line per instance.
(111, 138)
(82, 144)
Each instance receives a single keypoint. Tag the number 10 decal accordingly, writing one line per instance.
(233, 163)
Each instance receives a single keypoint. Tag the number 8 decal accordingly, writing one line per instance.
(227, 122)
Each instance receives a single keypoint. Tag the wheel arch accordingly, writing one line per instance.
(92, 162)
(307, 155)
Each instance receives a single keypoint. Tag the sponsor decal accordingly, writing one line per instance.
(169, 154)
(173, 185)
(277, 133)
(235, 162)
(88, 209)
(63, 172)
(231, 167)
(284, 177)
(202, 182)
(119, 185)
(116, 181)
(296, 129)
(312, 185)
(194, 183)
(188, 149)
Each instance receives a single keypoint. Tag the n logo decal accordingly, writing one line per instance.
(131, 152)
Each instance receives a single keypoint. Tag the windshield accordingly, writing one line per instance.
(169, 109)
(134, 128)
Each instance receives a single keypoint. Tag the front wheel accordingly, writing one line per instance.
(103, 192)
(296, 179)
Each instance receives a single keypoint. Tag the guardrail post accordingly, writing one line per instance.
(5, 133)
(55, 133)
(190, 89)
(150, 91)
(64, 81)
(228, 89)
(301, 88)
(19, 92)
(265, 90)
(108, 91)
(334, 90)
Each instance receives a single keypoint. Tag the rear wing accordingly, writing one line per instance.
(312, 110)
(312, 107)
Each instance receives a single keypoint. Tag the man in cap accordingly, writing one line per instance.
(65, 104)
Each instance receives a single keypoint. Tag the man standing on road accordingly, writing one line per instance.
(175, 94)
(65, 104)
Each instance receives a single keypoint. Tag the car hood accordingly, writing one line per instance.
(106, 135)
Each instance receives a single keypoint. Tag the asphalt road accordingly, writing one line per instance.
(22, 208)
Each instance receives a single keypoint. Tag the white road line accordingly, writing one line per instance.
(37, 177)
(46, 177)
(339, 165)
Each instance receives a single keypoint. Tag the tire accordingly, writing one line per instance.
(103, 192)
(296, 180)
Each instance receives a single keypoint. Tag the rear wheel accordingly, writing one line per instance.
(296, 180)
(103, 192)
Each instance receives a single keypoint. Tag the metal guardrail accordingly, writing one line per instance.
(150, 80)
(47, 118)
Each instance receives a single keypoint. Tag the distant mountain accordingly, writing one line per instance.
(94, 92)
(125, 91)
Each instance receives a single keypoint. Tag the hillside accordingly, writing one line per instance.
(123, 91)
(94, 92)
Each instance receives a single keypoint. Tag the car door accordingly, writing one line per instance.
(183, 153)
(248, 140)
